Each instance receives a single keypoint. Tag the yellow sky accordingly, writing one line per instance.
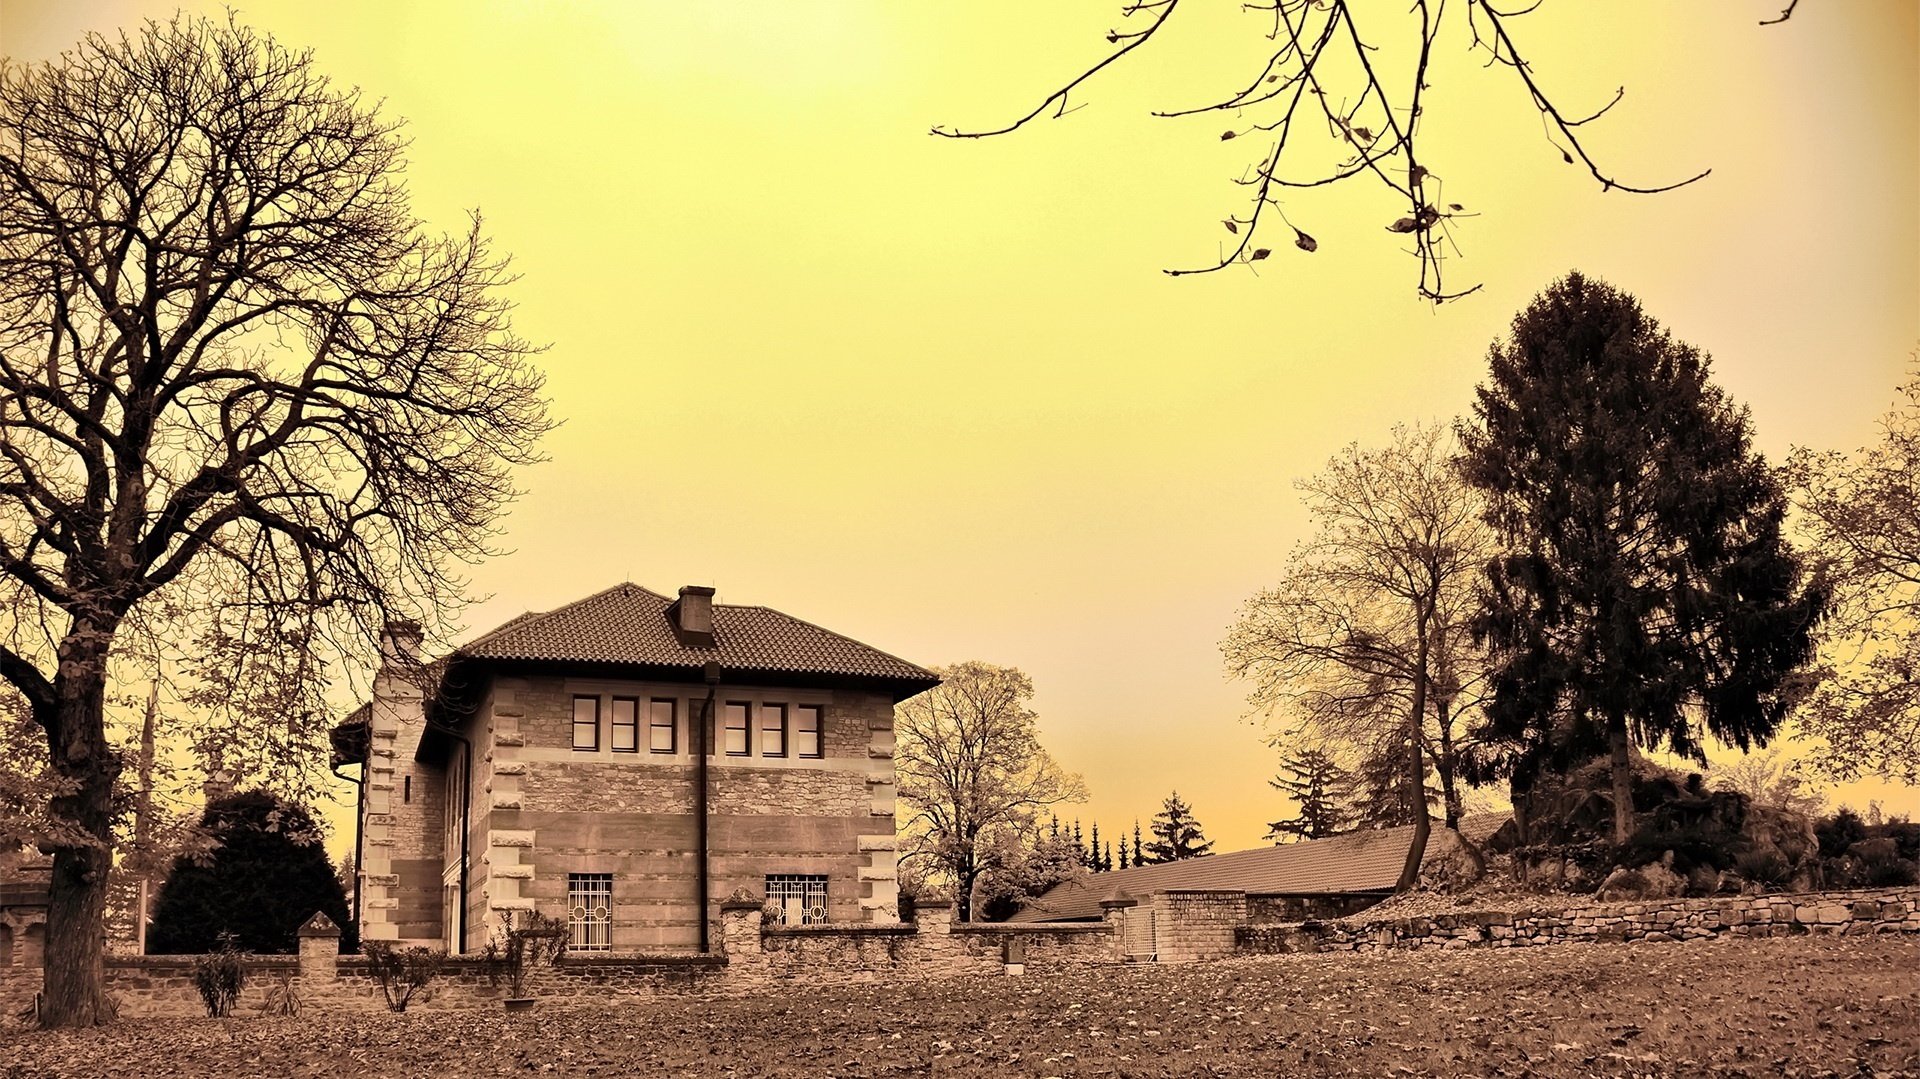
(937, 395)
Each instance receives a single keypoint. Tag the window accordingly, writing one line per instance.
(589, 912)
(739, 736)
(586, 723)
(626, 725)
(800, 898)
(807, 731)
(660, 726)
(773, 730)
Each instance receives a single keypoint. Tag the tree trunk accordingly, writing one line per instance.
(1622, 779)
(75, 974)
(1443, 764)
(1417, 774)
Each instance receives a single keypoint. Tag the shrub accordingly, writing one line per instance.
(283, 996)
(1762, 866)
(1692, 847)
(266, 873)
(219, 976)
(524, 943)
(1876, 863)
(401, 971)
(1839, 832)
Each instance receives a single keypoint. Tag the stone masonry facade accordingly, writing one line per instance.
(540, 810)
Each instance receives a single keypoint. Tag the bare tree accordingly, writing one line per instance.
(1365, 93)
(1862, 513)
(971, 767)
(1365, 642)
(245, 397)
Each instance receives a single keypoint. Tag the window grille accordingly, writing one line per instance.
(589, 912)
(797, 898)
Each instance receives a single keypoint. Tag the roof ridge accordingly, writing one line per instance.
(529, 617)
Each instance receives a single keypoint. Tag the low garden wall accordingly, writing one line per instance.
(1885, 910)
(750, 956)
(932, 946)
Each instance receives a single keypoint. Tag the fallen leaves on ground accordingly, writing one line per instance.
(1827, 1006)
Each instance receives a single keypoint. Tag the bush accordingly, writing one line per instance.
(283, 996)
(401, 971)
(266, 875)
(1762, 866)
(219, 976)
(1839, 832)
(1692, 847)
(534, 940)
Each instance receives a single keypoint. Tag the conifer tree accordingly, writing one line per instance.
(267, 875)
(1177, 835)
(1106, 858)
(1093, 850)
(1320, 789)
(1140, 855)
(1125, 858)
(1648, 595)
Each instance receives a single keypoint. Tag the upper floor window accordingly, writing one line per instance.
(660, 726)
(626, 724)
(739, 729)
(773, 730)
(808, 732)
(586, 723)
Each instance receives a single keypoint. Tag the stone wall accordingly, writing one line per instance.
(1190, 925)
(1262, 909)
(750, 956)
(1888, 910)
(933, 946)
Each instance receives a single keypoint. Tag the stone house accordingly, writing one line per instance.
(626, 762)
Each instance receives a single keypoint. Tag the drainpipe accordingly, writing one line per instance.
(712, 674)
(359, 835)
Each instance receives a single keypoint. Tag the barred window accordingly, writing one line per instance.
(589, 912)
(806, 731)
(797, 898)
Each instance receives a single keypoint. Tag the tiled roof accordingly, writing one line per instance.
(627, 625)
(1368, 861)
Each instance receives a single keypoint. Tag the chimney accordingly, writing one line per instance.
(692, 616)
(400, 643)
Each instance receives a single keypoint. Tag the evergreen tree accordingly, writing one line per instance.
(1320, 788)
(1125, 858)
(266, 876)
(1647, 584)
(1176, 833)
(1080, 846)
(1106, 858)
(1093, 850)
(1140, 855)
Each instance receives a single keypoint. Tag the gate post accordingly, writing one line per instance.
(1132, 926)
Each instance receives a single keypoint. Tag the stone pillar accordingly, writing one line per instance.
(740, 918)
(879, 878)
(319, 949)
(1121, 914)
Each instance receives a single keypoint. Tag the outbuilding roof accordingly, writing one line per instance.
(1353, 864)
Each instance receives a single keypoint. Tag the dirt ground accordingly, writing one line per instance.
(1826, 1006)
